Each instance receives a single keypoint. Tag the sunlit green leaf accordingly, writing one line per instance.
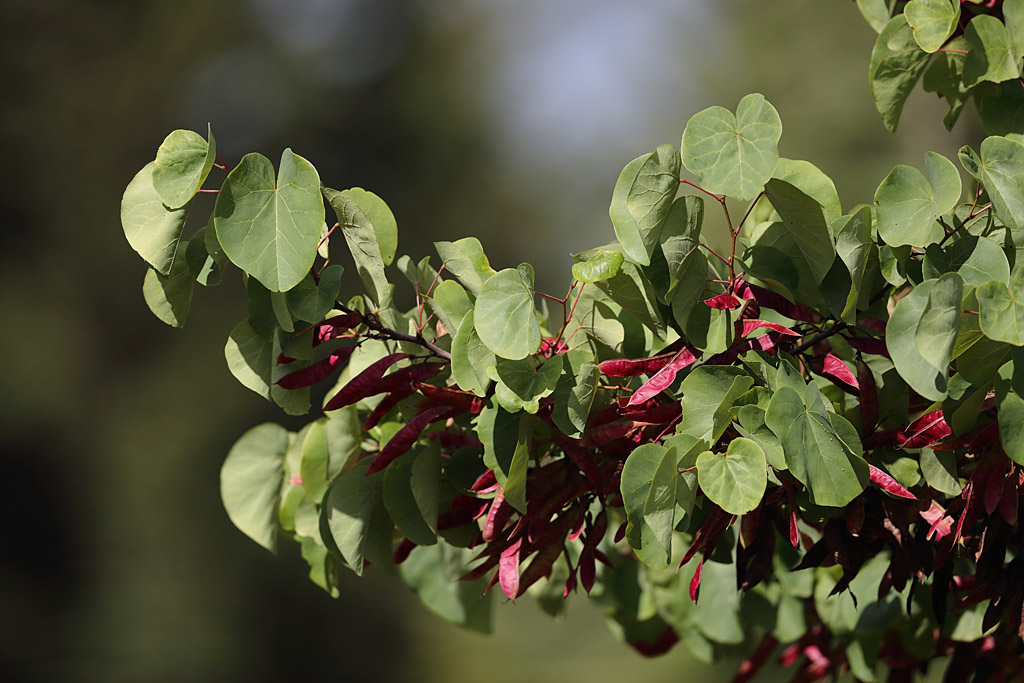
(182, 164)
(465, 259)
(909, 204)
(990, 56)
(361, 238)
(1001, 309)
(900, 334)
(601, 264)
(504, 316)
(937, 329)
(933, 21)
(735, 480)
(250, 482)
(152, 229)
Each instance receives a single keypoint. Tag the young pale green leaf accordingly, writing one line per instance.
(270, 228)
(383, 221)
(169, 296)
(976, 259)
(627, 232)
(650, 196)
(752, 426)
(937, 329)
(402, 505)
(450, 303)
(897, 62)
(648, 488)
(1000, 168)
(1001, 309)
(734, 480)
(347, 513)
(152, 229)
(900, 335)
(909, 204)
(804, 219)
(182, 164)
(504, 316)
(471, 358)
(361, 238)
(465, 259)
(250, 482)
(313, 468)
(933, 21)
(813, 182)
(990, 56)
(733, 155)
(600, 264)
(310, 300)
(250, 358)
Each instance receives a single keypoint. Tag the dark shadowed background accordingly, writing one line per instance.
(505, 120)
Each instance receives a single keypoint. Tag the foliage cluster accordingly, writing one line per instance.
(809, 446)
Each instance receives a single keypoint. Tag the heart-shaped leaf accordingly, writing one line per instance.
(897, 63)
(1000, 168)
(991, 56)
(735, 480)
(601, 264)
(270, 228)
(909, 204)
(504, 316)
(937, 329)
(152, 229)
(933, 21)
(731, 154)
(182, 164)
(250, 482)
(805, 221)
(1001, 309)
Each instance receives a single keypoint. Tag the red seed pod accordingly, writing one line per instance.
(316, 372)
(751, 325)
(723, 302)
(888, 484)
(663, 378)
(404, 439)
(769, 299)
(365, 383)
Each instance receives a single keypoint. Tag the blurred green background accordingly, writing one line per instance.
(505, 120)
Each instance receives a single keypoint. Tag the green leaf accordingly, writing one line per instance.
(680, 237)
(465, 260)
(601, 264)
(515, 479)
(735, 480)
(876, 12)
(939, 470)
(426, 483)
(1002, 110)
(574, 394)
(631, 290)
(344, 440)
(313, 468)
(648, 487)
(383, 221)
(990, 56)
(206, 268)
(853, 246)
(1010, 409)
(1000, 168)
(270, 228)
(937, 329)
(733, 155)
(182, 164)
(433, 572)
(804, 219)
(945, 77)
(361, 238)
(504, 316)
(650, 197)
(810, 180)
(818, 458)
(169, 297)
(909, 204)
(976, 259)
(627, 232)
(402, 505)
(311, 301)
(152, 229)
(900, 335)
(348, 511)
(709, 393)
(250, 358)
(450, 303)
(897, 63)
(498, 430)
(1001, 309)
(471, 358)
(933, 21)
(250, 482)
(522, 384)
